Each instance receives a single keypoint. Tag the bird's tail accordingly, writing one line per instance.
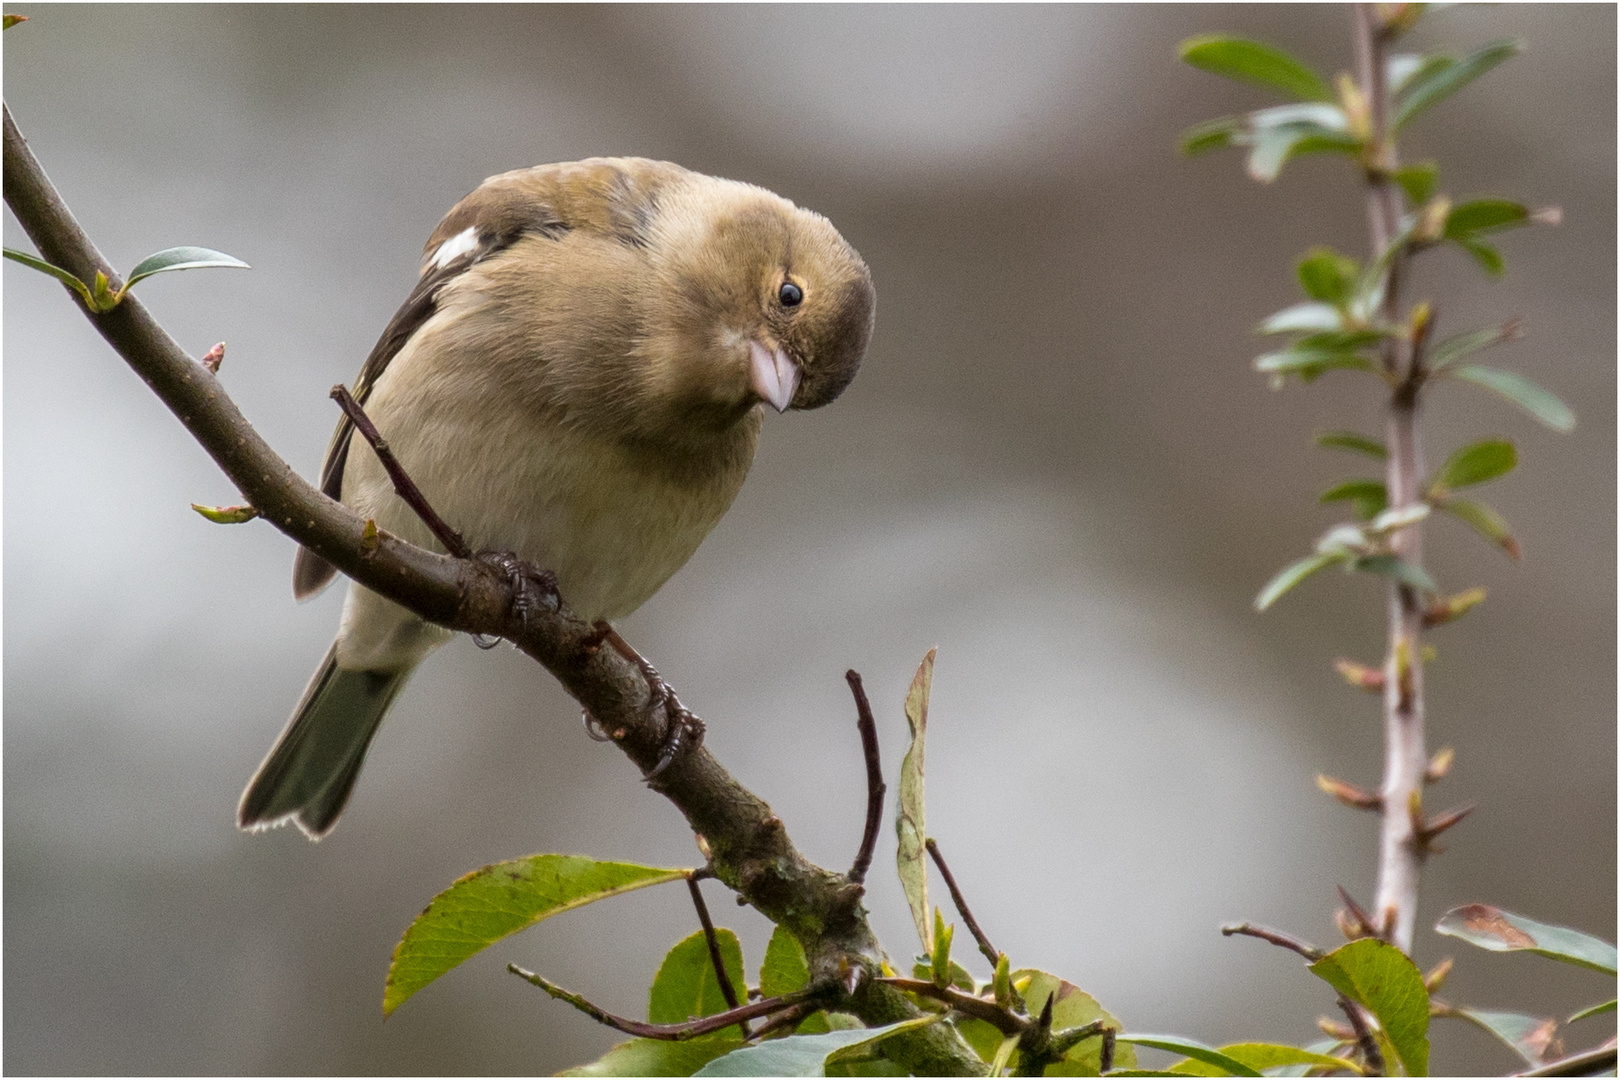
(309, 773)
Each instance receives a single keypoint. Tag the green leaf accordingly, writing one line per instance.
(180, 258)
(1328, 276)
(1072, 1007)
(1419, 181)
(1272, 147)
(1293, 575)
(1310, 316)
(805, 1055)
(226, 515)
(1438, 81)
(1379, 976)
(1402, 69)
(1252, 62)
(54, 271)
(983, 1036)
(1194, 1050)
(1542, 404)
(784, 969)
(499, 900)
(1263, 1056)
(1396, 570)
(1368, 496)
(686, 985)
(1308, 364)
(1593, 1010)
(911, 859)
(1211, 135)
(957, 975)
(1456, 347)
(1483, 520)
(1489, 259)
(1502, 931)
(8, 21)
(657, 1057)
(1350, 440)
(1527, 1036)
(1484, 215)
(1476, 464)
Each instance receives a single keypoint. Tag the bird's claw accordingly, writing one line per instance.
(532, 589)
(684, 731)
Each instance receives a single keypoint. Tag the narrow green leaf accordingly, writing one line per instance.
(1395, 518)
(1210, 135)
(8, 21)
(1350, 440)
(1527, 1036)
(1396, 570)
(1293, 575)
(1489, 259)
(1328, 276)
(1072, 1007)
(1309, 316)
(226, 515)
(1476, 464)
(1404, 69)
(1310, 363)
(1484, 520)
(1252, 62)
(912, 859)
(1379, 976)
(1484, 215)
(1266, 1056)
(1593, 1010)
(956, 975)
(1456, 347)
(784, 969)
(1419, 181)
(181, 258)
(499, 900)
(1438, 81)
(1368, 496)
(658, 1057)
(1503, 931)
(54, 271)
(1274, 147)
(805, 1055)
(1193, 1049)
(686, 985)
(1542, 404)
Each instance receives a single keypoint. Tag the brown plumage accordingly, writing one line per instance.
(577, 378)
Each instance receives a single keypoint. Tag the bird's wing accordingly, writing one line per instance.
(613, 197)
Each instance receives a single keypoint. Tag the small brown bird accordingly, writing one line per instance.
(578, 379)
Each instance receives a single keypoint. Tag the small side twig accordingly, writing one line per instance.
(1359, 920)
(875, 787)
(691, 1029)
(1364, 1036)
(991, 953)
(786, 1020)
(1586, 1063)
(404, 486)
(213, 358)
(1276, 937)
(726, 988)
(978, 1008)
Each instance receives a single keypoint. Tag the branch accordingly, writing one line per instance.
(404, 486)
(728, 991)
(691, 1029)
(874, 778)
(751, 852)
(978, 1008)
(1597, 1062)
(1368, 1045)
(990, 952)
(1276, 937)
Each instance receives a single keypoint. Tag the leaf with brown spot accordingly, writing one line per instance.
(1503, 931)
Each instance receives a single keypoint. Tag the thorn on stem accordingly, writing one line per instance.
(214, 357)
(1436, 976)
(1349, 794)
(1360, 676)
(1439, 765)
(1354, 921)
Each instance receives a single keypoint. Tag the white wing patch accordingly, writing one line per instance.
(458, 245)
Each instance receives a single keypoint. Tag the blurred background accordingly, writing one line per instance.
(1055, 465)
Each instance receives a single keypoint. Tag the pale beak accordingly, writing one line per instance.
(772, 375)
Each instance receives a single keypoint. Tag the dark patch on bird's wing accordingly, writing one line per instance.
(631, 207)
(310, 571)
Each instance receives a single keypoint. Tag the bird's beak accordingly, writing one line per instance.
(772, 375)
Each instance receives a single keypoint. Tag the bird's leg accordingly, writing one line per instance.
(683, 730)
(532, 589)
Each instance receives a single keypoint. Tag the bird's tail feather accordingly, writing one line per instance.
(309, 773)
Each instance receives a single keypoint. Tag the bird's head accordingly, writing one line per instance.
(765, 303)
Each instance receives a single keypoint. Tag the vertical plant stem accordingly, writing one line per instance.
(1400, 849)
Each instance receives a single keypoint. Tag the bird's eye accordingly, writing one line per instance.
(790, 294)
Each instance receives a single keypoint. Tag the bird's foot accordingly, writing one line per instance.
(683, 731)
(532, 589)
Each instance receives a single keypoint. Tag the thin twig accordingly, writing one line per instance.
(1598, 1062)
(875, 787)
(1370, 1053)
(978, 1008)
(726, 989)
(690, 1029)
(404, 486)
(991, 953)
(1276, 937)
(786, 1020)
(1363, 921)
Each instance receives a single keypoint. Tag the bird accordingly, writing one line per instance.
(578, 378)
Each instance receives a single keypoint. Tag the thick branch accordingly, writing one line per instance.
(751, 850)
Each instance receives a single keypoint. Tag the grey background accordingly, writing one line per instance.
(1055, 465)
